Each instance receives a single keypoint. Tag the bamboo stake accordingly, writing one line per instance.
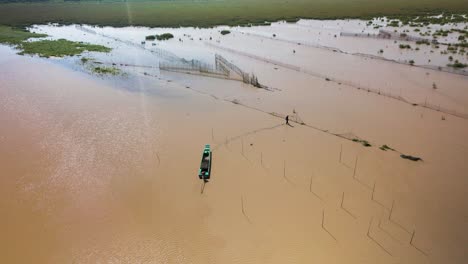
(344, 209)
(375, 241)
(355, 167)
(341, 151)
(323, 225)
(411, 243)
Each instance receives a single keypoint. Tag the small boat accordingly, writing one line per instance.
(205, 167)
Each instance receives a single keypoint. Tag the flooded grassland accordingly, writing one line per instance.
(99, 152)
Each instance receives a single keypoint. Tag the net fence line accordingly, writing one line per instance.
(299, 43)
(193, 67)
(370, 35)
(387, 34)
(222, 68)
(256, 57)
(354, 85)
(229, 67)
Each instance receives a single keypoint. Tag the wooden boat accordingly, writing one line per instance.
(205, 167)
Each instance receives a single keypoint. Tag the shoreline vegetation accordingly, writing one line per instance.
(180, 13)
(18, 38)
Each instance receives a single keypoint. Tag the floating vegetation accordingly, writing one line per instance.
(420, 42)
(58, 48)
(164, 36)
(106, 70)
(404, 46)
(385, 148)
(225, 32)
(409, 157)
(365, 143)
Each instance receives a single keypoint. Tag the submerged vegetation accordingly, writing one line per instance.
(106, 70)
(58, 48)
(14, 36)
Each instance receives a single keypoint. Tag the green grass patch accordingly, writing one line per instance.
(58, 48)
(14, 36)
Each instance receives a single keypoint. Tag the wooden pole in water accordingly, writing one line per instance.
(412, 237)
(341, 151)
(342, 200)
(373, 191)
(323, 218)
(284, 169)
(355, 166)
(242, 142)
(391, 211)
(310, 185)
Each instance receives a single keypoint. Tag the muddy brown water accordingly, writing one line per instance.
(95, 170)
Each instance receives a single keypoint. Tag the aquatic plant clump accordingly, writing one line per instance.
(150, 37)
(386, 147)
(164, 36)
(106, 70)
(365, 143)
(409, 157)
(58, 48)
(404, 46)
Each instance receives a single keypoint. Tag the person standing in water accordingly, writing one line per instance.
(287, 120)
